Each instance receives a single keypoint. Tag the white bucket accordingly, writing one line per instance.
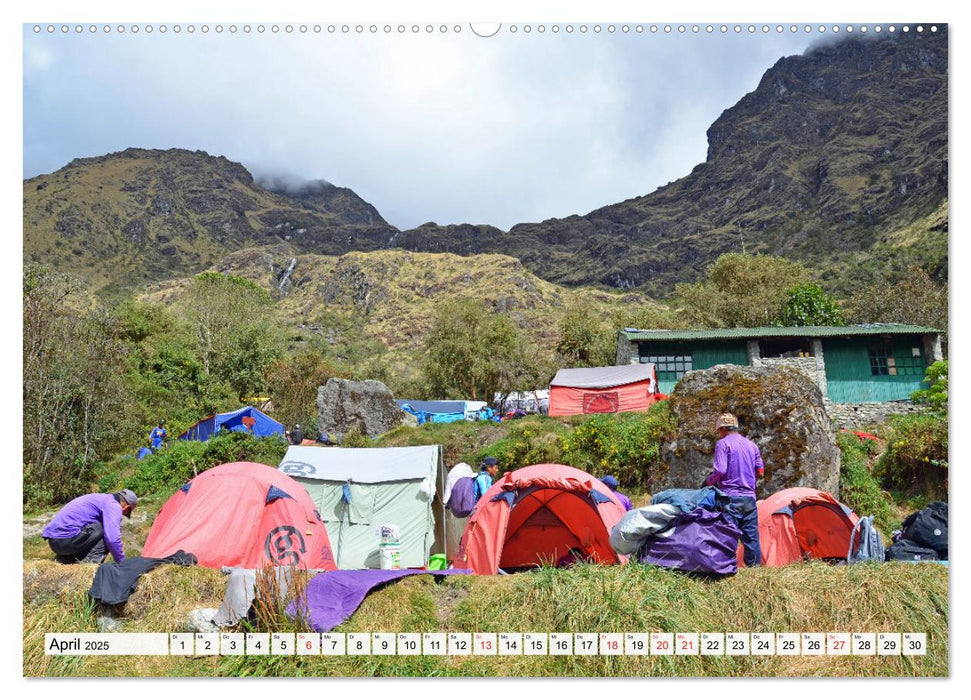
(390, 555)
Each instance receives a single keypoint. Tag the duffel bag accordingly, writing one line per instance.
(928, 528)
(701, 541)
(906, 550)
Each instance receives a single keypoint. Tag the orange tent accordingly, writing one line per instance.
(242, 514)
(603, 390)
(535, 515)
(800, 522)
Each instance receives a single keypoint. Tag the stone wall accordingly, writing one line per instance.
(810, 366)
(861, 415)
(625, 350)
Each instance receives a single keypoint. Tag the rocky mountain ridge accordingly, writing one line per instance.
(831, 151)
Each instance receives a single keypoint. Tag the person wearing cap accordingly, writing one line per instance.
(483, 482)
(157, 436)
(736, 466)
(296, 435)
(89, 527)
(610, 481)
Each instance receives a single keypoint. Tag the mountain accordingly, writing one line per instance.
(838, 159)
(137, 216)
(391, 294)
(831, 151)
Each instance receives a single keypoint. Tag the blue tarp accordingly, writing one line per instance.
(445, 411)
(245, 420)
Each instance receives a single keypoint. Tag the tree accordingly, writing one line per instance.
(231, 320)
(292, 383)
(73, 394)
(471, 352)
(740, 290)
(915, 299)
(584, 340)
(809, 305)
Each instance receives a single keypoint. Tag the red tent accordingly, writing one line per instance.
(801, 522)
(242, 514)
(535, 515)
(603, 390)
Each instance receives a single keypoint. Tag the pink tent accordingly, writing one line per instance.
(802, 523)
(242, 514)
(536, 515)
(603, 390)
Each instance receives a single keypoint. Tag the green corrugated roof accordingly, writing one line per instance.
(777, 332)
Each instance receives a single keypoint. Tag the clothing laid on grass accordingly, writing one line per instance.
(334, 596)
(114, 583)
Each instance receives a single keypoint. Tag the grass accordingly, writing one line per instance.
(587, 598)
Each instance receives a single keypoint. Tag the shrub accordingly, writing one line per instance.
(625, 445)
(935, 395)
(525, 442)
(164, 472)
(915, 461)
(859, 489)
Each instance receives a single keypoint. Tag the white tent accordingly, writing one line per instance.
(357, 490)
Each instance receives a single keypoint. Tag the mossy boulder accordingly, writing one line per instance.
(778, 408)
(368, 406)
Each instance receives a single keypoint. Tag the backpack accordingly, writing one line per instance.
(928, 528)
(865, 543)
(905, 550)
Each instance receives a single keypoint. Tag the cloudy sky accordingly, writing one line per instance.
(437, 127)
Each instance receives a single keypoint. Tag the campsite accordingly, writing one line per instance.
(712, 412)
(588, 597)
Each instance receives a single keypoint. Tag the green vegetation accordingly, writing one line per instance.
(73, 396)
(164, 472)
(859, 489)
(627, 445)
(915, 297)
(472, 352)
(741, 291)
(809, 305)
(935, 395)
(915, 461)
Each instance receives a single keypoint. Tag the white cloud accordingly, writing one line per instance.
(443, 127)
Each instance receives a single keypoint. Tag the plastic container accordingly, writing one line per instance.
(390, 555)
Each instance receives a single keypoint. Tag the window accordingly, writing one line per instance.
(907, 362)
(879, 357)
(671, 366)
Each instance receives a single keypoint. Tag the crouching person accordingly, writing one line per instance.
(737, 464)
(89, 528)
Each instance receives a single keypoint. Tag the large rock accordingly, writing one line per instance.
(778, 408)
(343, 404)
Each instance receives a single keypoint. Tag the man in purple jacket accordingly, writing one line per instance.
(89, 527)
(737, 464)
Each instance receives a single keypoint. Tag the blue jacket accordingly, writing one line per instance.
(483, 482)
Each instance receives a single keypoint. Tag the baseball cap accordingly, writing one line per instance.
(130, 497)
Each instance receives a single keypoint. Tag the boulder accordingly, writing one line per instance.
(778, 408)
(201, 620)
(369, 405)
(108, 623)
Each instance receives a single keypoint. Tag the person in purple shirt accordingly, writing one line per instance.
(737, 464)
(89, 527)
(610, 481)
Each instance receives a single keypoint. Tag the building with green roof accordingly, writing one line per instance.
(876, 362)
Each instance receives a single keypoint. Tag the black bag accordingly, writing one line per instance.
(928, 528)
(905, 550)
